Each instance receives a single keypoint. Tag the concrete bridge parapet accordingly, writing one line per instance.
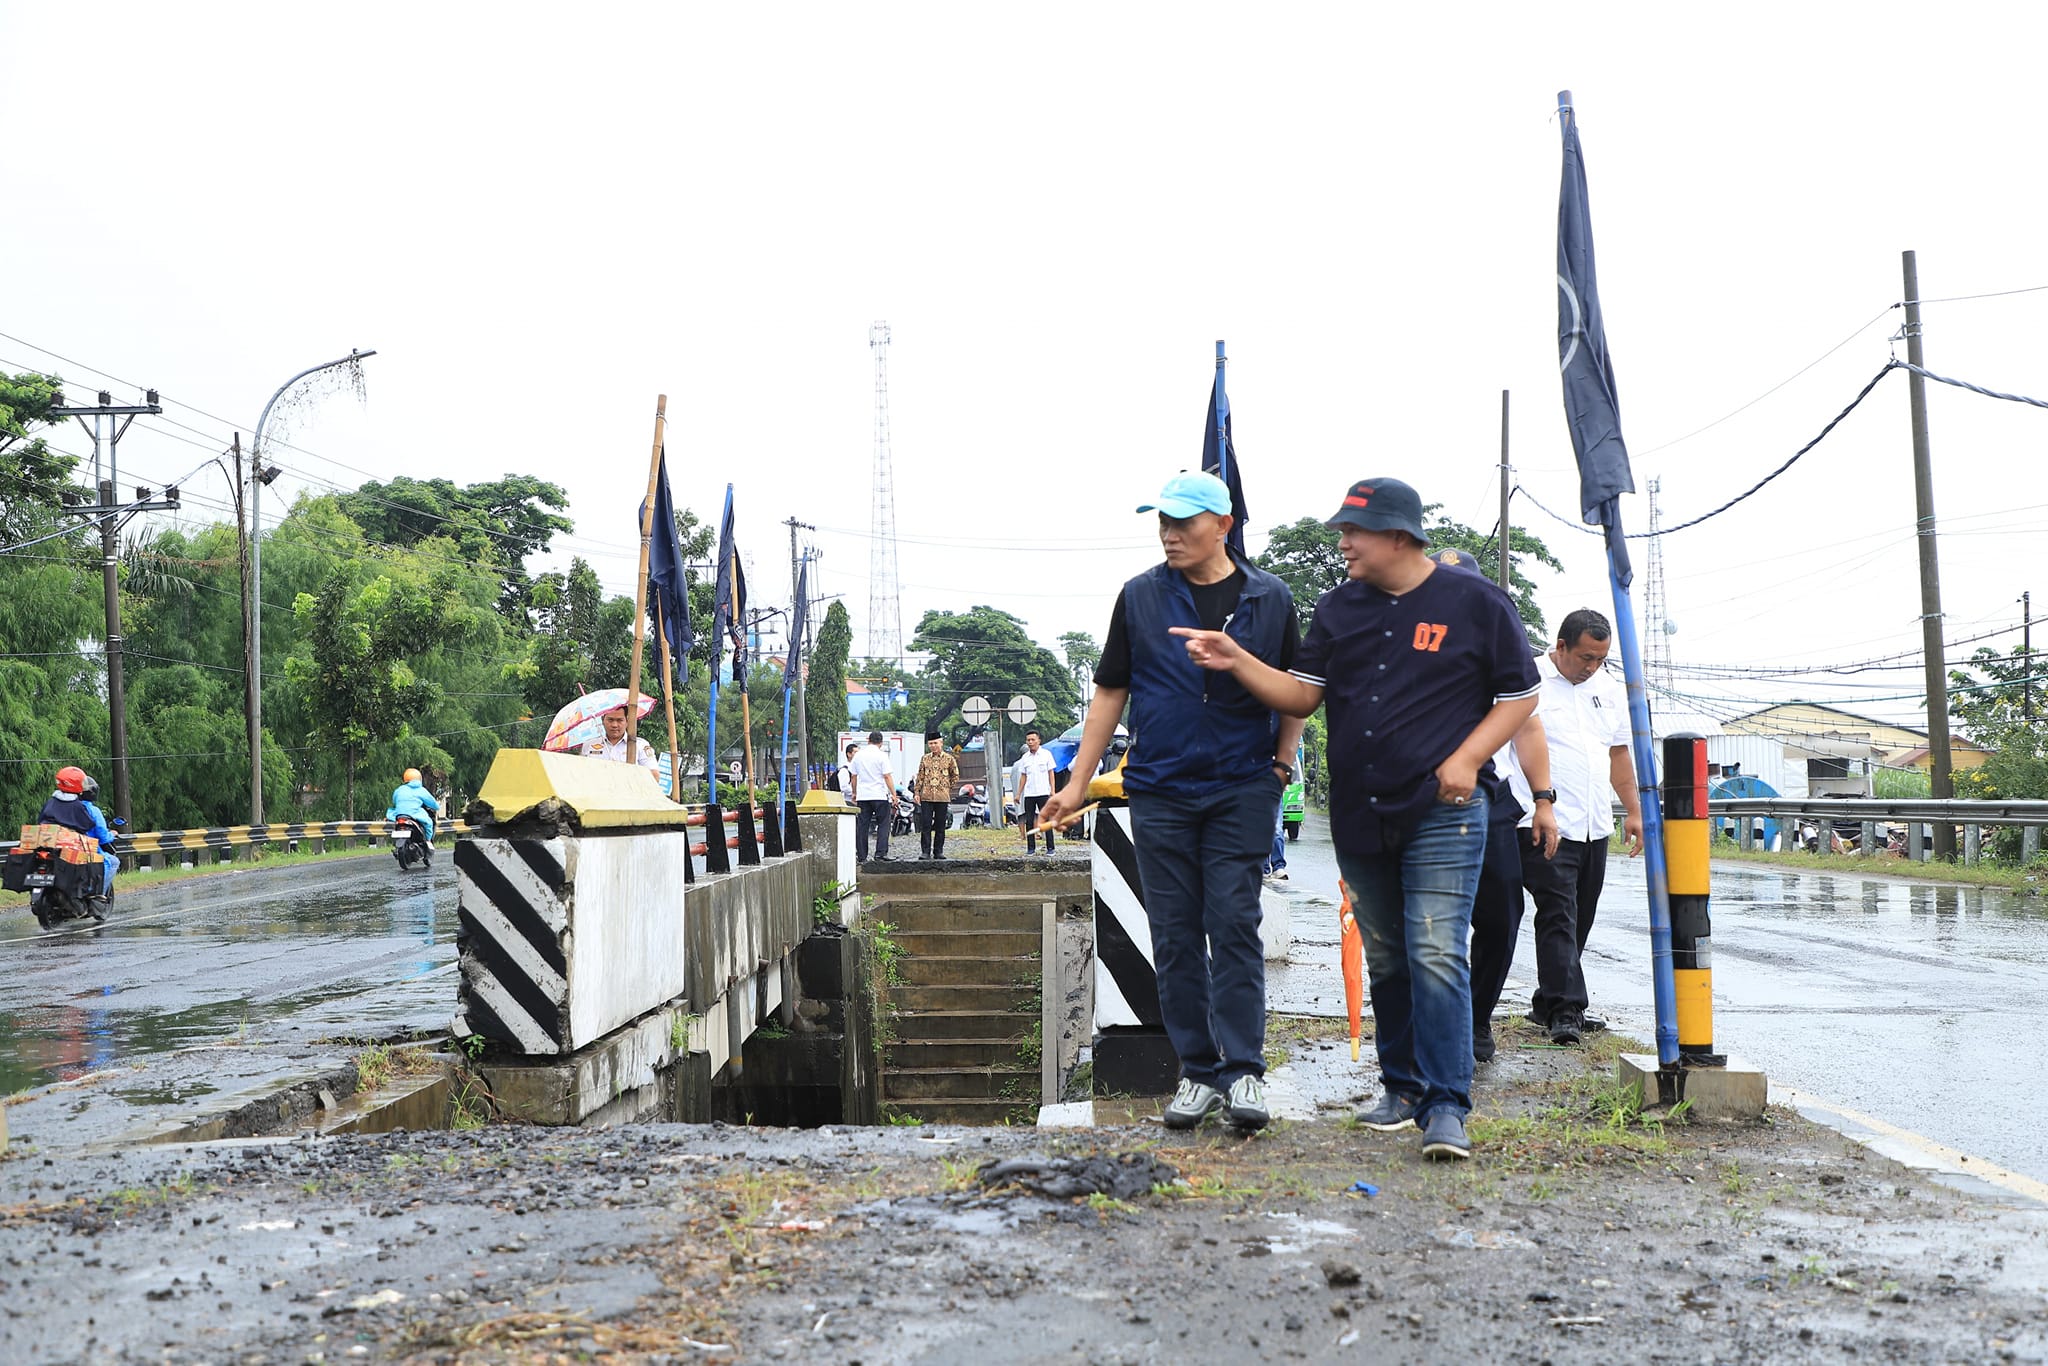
(596, 985)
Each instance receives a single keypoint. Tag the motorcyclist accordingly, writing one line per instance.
(412, 800)
(70, 807)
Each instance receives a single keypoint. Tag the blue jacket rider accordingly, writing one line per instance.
(411, 798)
(69, 808)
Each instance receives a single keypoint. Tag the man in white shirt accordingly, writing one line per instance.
(845, 774)
(874, 792)
(613, 746)
(1584, 711)
(1034, 784)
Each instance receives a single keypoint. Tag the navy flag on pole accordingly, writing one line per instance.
(1219, 452)
(1590, 403)
(665, 572)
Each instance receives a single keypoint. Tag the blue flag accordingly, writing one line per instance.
(729, 607)
(800, 620)
(1219, 453)
(665, 572)
(1590, 403)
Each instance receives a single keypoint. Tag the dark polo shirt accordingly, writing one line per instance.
(1405, 680)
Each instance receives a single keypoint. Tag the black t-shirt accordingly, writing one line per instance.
(1214, 602)
(1405, 680)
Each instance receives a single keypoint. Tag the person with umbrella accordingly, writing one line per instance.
(595, 725)
(612, 744)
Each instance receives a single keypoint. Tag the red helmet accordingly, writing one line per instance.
(71, 780)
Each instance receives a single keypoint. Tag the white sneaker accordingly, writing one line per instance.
(1247, 1107)
(1192, 1104)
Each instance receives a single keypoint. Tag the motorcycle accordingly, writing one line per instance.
(906, 814)
(61, 876)
(977, 807)
(409, 843)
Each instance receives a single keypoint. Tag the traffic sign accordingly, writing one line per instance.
(1022, 709)
(975, 710)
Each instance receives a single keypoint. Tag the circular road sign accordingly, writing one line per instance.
(975, 710)
(1022, 709)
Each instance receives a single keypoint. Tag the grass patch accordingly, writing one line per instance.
(379, 1064)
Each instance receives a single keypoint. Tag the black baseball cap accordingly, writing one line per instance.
(1382, 505)
(1459, 559)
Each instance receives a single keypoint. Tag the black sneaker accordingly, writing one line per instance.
(1565, 1027)
(1443, 1136)
(1592, 1024)
(1533, 1018)
(1392, 1113)
(1483, 1047)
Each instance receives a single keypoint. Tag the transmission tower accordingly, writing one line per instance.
(1657, 626)
(885, 599)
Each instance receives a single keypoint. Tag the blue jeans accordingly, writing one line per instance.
(1414, 909)
(1198, 866)
(112, 861)
(1277, 860)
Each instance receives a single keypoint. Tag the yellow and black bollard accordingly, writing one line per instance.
(1686, 838)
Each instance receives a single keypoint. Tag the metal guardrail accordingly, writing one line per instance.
(152, 843)
(1927, 810)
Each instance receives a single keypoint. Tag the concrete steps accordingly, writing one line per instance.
(965, 1009)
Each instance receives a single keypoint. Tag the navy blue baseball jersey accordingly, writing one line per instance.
(1405, 680)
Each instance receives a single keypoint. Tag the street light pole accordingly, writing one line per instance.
(258, 477)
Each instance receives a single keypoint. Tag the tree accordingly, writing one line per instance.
(825, 692)
(499, 523)
(1305, 556)
(351, 663)
(32, 476)
(2000, 702)
(985, 652)
(1082, 654)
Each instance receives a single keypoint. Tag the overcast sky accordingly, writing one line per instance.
(542, 217)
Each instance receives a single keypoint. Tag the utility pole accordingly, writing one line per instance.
(798, 633)
(1941, 780)
(2027, 654)
(106, 438)
(1504, 491)
(251, 707)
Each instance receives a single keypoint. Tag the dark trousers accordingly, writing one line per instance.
(1566, 890)
(1032, 806)
(1198, 868)
(1496, 913)
(932, 820)
(874, 818)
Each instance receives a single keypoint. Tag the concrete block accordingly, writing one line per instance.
(1276, 924)
(1737, 1091)
(579, 1088)
(1079, 1114)
(1135, 1061)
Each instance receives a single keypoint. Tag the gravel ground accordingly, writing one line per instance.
(1577, 1234)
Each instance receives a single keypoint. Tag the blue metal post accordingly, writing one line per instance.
(1643, 749)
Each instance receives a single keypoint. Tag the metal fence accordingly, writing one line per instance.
(1868, 814)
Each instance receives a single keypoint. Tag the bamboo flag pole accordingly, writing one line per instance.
(640, 585)
(668, 697)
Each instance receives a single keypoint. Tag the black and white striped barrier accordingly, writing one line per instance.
(563, 940)
(1131, 1052)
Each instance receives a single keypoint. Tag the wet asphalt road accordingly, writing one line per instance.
(190, 977)
(1917, 1004)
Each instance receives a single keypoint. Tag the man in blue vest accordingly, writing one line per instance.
(1206, 768)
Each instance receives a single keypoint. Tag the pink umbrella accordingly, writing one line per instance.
(582, 720)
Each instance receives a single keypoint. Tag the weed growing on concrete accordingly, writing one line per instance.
(825, 905)
(771, 1029)
(1732, 1179)
(959, 1172)
(889, 1114)
(470, 1106)
(1106, 1205)
(1031, 1048)
(887, 953)
(373, 1068)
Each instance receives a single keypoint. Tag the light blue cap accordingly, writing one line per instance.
(1190, 492)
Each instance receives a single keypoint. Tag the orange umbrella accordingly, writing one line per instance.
(1352, 950)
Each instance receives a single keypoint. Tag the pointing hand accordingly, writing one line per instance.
(1209, 649)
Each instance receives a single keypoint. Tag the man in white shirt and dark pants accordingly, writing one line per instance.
(874, 792)
(1034, 784)
(1584, 711)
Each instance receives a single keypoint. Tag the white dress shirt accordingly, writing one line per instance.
(1582, 723)
(616, 749)
(1033, 773)
(871, 772)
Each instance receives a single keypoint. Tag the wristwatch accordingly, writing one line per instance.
(1544, 794)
